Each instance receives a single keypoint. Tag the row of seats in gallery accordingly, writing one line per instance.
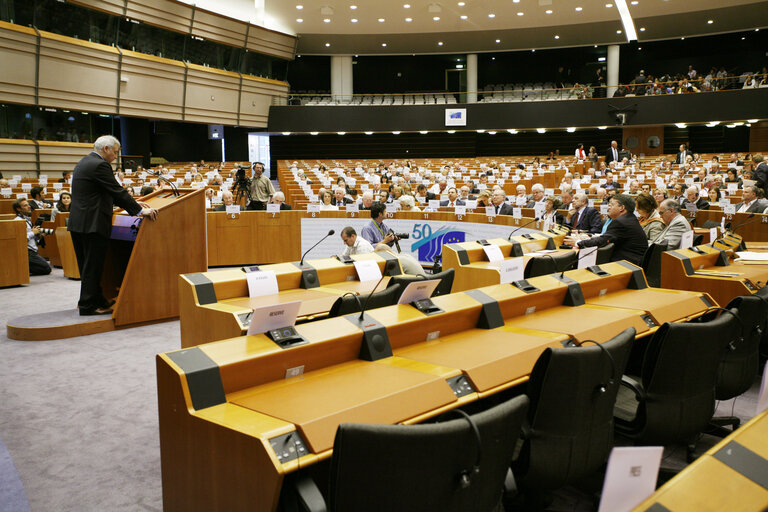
(559, 431)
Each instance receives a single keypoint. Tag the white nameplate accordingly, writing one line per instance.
(261, 282)
(367, 270)
(511, 269)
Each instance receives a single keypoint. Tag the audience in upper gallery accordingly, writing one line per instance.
(62, 205)
(279, 198)
(227, 199)
(648, 216)
(676, 224)
(693, 200)
(354, 244)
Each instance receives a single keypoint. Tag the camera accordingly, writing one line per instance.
(402, 236)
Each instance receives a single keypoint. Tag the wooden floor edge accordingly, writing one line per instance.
(59, 332)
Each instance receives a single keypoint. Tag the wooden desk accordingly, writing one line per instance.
(711, 484)
(753, 229)
(232, 426)
(215, 305)
(13, 239)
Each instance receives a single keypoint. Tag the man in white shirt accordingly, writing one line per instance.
(354, 244)
(750, 202)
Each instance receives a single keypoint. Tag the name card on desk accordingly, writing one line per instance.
(22, 196)
(273, 208)
(490, 211)
(686, 240)
(313, 208)
(471, 203)
(511, 270)
(367, 270)
(493, 252)
(418, 290)
(26, 187)
(276, 316)
(732, 187)
(433, 203)
(729, 209)
(6, 192)
(712, 235)
(353, 208)
(233, 209)
(262, 282)
(630, 477)
(137, 191)
(57, 186)
(460, 210)
(517, 213)
(587, 257)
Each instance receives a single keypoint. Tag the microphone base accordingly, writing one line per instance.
(375, 344)
(309, 277)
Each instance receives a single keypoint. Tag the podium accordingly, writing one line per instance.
(144, 259)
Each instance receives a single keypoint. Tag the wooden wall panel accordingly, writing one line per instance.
(212, 95)
(58, 157)
(155, 87)
(109, 6)
(17, 157)
(218, 28)
(758, 138)
(269, 42)
(642, 133)
(161, 13)
(77, 75)
(256, 99)
(18, 46)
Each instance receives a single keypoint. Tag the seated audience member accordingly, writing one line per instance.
(326, 204)
(66, 176)
(692, 198)
(453, 199)
(4, 183)
(227, 199)
(521, 199)
(659, 194)
(146, 190)
(676, 224)
(338, 196)
(37, 265)
(409, 264)
(714, 195)
(484, 199)
(624, 232)
(464, 193)
(537, 195)
(634, 188)
(62, 205)
(422, 194)
(750, 201)
(408, 204)
(601, 193)
(366, 200)
(36, 202)
(376, 231)
(648, 217)
(497, 201)
(566, 198)
(551, 216)
(279, 198)
(208, 198)
(583, 217)
(609, 183)
(353, 243)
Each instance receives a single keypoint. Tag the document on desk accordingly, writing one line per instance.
(261, 282)
(752, 256)
(716, 273)
(630, 477)
(367, 270)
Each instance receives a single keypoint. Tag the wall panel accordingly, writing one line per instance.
(77, 75)
(270, 42)
(154, 87)
(17, 157)
(219, 28)
(212, 95)
(161, 13)
(18, 46)
(57, 157)
(114, 7)
(257, 98)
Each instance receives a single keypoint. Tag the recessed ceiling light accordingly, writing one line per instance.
(533, 50)
(601, 59)
(639, 47)
(299, 7)
(618, 31)
(369, 133)
(642, 29)
(541, 130)
(709, 22)
(384, 44)
(439, 43)
(313, 133)
(423, 132)
(520, 14)
(406, 6)
(381, 20)
(570, 130)
(493, 58)
(609, 5)
(516, 1)
(602, 127)
(342, 133)
(463, 16)
(682, 39)
(408, 20)
(480, 131)
(757, 30)
(327, 20)
(713, 123)
(435, 18)
(491, 15)
(462, 4)
(680, 125)
(557, 37)
(548, 11)
(286, 133)
(353, 7)
(578, 9)
(327, 45)
(743, 38)
(634, 2)
(299, 20)
(353, 20)
(459, 66)
(512, 131)
(451, 131)
(498, 40)
(395, 133)
(491, 133)
(751, 120)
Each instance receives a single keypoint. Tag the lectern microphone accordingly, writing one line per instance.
(331, 232)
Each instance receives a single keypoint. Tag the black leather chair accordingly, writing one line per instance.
(604, 254)
(675, 393)
(549, 264)
(444, 288)
(652, 263)
(569, 432)
(763, 293)
(351, 303)
(456, 465)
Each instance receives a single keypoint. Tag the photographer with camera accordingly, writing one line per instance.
(260, 188)
(378, 233)
(37, 265)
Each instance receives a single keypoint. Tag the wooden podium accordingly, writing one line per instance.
(141, 271)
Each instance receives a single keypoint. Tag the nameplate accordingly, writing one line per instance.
(275, 316)
(493, 252)
(262, 282)
(273, 208)
(434, 204)
(313, 208)
(587, 257)
(367, 270)
(517, 213)
(511, 270)
(353, 208)
(686, 240)
(490, 211)
(729, 209)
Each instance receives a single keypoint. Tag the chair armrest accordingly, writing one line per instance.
(309, 497)
(635, 386)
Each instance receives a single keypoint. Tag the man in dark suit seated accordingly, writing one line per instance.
(624, 232)
(497, 200)
(279, 198)
(751, 202)
(227, 199)
(338, 197)
(453, 199)
(422, 192)
(584, 218)
(692, 198)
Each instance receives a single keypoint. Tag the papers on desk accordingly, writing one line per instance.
(716, 273)
(367, 270)
(275, 316)
(262, 282)
(493, 252)
(630, 477)
(541, 252)
(752, 256)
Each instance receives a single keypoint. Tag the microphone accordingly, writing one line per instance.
(576, 263)
(535, 219)
(301, 263)
(365, 304)
(172, 185)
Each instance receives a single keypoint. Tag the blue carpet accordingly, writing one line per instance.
(12, 495)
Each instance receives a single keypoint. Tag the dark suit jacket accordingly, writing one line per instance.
(680, 159)
(344, 201)
(287, 206)
(628, 238)
(221, 208)
(94, 192)
(505, 209)
(589, 220)
(459, 202)
(761, 175)
(701, 204)
(609, 156)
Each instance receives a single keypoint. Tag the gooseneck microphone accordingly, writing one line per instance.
(535, 219)
(331, 232)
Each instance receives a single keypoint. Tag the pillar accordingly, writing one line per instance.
(613, 69)
(471, 78)
(341, 78)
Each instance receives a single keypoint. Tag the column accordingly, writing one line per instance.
(341, 78)
(471, 78)
(613, 69)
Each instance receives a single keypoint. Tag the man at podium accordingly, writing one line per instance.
(95, 191)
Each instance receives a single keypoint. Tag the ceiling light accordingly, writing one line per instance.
(464, 16)
(578, 9)
(639, 47)
(299, 7)
(618, 31)
(713, 123)
(557, 37)
(299, 20)
(435, 18)
(642, 29)
(395, 133)
(408, 20)
(516, 1)
(743, 38)
(601, 59)
(459, 66)
(462, 4)
(439, 43)
(369, 133)
(634, 2)
(548, 11)
(731, 125)
(342, 133)
(286, 133)
(491, 133)
(681, 125)
(512, 131)
(480, 131)
(738, 124)
(751, 120)
(381, 20)
(423, 132)
(493, 58)
(313, 133)
(520, 14)
(570, 130)
(451, 131)
(384, 44)
(682, 39)
(541, 130)
(327, 20)
(353, 7)
(353, 20)
(602, 127)
(406, 6)
(709, 22)
(498, 41)
(533, 50)
(327, 45)
(609, 5)
(491, 15)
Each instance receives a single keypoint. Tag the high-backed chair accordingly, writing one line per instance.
(763, 293)
(652, 263)
(549, 264)
(456, 465)
(604, 254)
(351, 303)
(676, 389)
(569, 432)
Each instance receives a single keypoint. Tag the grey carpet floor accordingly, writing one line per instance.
(79, 416)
